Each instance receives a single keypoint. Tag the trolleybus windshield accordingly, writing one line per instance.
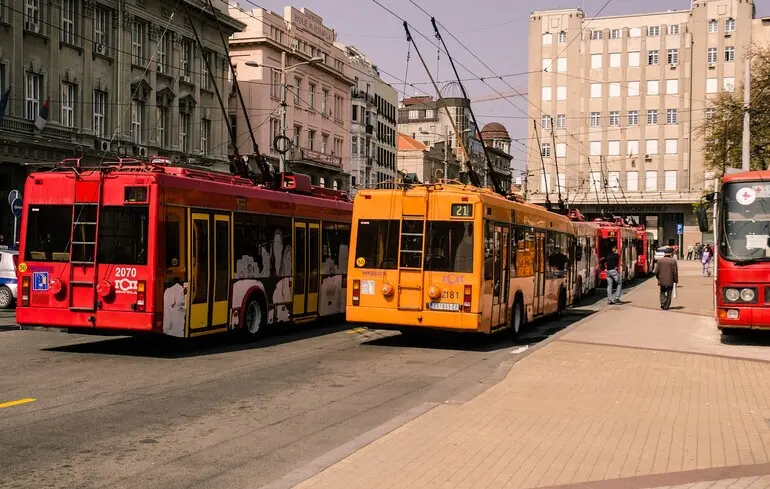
(746, 222)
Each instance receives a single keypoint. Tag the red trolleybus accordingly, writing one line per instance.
(742, 244)
(616, 233)
(645, 252)
(136, 247)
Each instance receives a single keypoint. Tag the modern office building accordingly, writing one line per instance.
(618, 100)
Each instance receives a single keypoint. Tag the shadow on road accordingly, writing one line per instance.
(166, 347)
(538, 331)
(749, 337)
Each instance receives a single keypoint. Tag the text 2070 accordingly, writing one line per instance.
(450, 294)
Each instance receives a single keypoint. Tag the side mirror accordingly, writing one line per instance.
(703, 221)
(709, 197)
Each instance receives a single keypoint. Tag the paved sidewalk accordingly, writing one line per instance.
(631, 397)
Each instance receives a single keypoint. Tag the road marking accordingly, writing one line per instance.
(356, 331)
(16, 402)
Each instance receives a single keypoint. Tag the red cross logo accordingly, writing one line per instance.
(746, 195)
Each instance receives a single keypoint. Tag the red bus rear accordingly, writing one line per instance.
(645, 252)
(742, 249)
(619, 235)
(136, 247)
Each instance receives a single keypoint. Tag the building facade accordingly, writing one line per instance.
(373, 124)
(498, 144)
(121, 79)
(422, 160)
(317, 94)
(425, 119)
(618, 100)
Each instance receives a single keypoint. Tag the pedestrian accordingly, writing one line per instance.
(706, 260)
(689, 252)
(698, 250)
(611, 262)
(667, 272)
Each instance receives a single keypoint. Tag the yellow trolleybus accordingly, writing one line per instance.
(454, 257)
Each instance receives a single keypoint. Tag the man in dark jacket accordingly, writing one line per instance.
(612, 265)
(667, 272)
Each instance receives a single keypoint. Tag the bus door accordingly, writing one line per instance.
(500, 283)
(210, 271)
(539, 301)
(307, 259)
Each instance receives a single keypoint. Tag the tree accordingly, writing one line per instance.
(722, 126)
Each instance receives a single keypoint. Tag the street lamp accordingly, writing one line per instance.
(284, 69)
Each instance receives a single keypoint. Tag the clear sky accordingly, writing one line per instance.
(496, 31)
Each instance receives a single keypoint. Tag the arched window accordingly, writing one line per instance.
(322, 182)
(335, 185)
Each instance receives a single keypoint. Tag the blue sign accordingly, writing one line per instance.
(680, 229)
(16, 207)
(40, 281)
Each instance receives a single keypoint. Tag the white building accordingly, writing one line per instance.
(373, 124)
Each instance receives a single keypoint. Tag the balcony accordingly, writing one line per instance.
(25, 127)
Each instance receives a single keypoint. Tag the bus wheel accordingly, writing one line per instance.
(254, 319)
(517, 320)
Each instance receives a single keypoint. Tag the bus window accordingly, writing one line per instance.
(123, 235)
(489, 250)
(334, 251)
(525, 253)
(555, 250)
(377, 244)
(48, 232)
(176, 239)
(450, 247)
(411, 244)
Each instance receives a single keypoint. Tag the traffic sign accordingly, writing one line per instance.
(13, 195)
(16, 207)
(680, 229)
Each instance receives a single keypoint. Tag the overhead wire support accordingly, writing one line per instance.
(592, 182)
(490, 168)
(542, 163)
(471, 172)
(556, 163)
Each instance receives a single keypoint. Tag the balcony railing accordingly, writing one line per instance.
(25, 127)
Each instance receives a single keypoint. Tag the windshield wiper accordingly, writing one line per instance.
(749, 261)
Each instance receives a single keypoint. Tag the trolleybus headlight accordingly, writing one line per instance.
(387, 290)
(434, 292)
(748, 295)
(732, 295)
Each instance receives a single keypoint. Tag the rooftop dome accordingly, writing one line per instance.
(494, 130)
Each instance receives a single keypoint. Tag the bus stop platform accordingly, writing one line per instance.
(629, 397)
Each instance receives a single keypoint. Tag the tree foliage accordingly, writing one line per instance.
(722, 126)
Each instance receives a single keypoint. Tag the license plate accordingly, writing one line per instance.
(443, 306)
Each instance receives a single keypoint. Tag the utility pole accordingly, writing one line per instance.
(284, 88)
(446, 151)
(746, 153)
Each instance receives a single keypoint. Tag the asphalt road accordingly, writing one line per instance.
(139, 413)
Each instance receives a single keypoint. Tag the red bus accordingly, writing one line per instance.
(742, 256)
(645, 251)
(133, 247)
(616, 233)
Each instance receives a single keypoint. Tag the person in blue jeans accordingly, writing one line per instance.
(614, 280)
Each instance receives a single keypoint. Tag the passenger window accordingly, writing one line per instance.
(176, 239)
